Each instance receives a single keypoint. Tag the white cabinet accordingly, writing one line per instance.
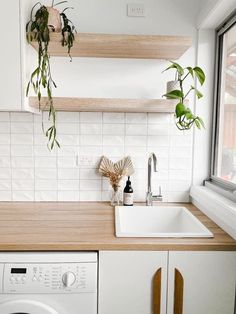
(136, 282)
(126, 282)
(10, 61)
(208, 280)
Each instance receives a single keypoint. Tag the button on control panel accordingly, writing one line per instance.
(50, 278)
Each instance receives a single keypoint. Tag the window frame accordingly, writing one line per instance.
(220, 31)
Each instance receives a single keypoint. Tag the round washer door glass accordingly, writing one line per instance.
(26, 307)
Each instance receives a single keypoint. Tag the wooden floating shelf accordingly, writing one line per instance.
(108, 104)
(121, 46)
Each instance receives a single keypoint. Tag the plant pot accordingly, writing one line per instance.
(54, 20)
(172, 85)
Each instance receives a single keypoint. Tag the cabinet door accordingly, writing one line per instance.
(132, 282)
(201, 282)
(10, 78)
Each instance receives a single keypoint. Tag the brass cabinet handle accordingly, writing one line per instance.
(156, 296)
(178, 292)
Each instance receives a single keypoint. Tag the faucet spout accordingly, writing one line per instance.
(150, 198)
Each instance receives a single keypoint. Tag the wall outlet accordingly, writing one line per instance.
(136, 9)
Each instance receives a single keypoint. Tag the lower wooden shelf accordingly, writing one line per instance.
(107, 104)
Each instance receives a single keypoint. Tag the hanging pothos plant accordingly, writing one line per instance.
(185, 118)
(42, 22)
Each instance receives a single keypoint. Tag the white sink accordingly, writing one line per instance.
(158, 221)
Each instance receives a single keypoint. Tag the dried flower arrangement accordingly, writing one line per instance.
(115, 172)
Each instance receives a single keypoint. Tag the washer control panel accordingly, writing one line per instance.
(50, 278)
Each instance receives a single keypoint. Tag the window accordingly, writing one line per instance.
(223, 170)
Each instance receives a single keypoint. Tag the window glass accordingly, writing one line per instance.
(225, 159)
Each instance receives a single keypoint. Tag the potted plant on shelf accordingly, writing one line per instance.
(185, 118)
(43, 21)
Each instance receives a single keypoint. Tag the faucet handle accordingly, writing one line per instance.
(159, 197)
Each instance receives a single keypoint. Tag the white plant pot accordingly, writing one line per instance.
(172, 85)
(54, 19)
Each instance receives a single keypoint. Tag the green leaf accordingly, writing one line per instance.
(198, 93)
(201, 122)
(199, 74)
(190, 70)
(174, 94)
(180, 110)
(197, 123)
(176, 66)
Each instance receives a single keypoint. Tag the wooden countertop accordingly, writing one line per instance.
(82, 226)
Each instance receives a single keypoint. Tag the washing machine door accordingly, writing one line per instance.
(26, 307)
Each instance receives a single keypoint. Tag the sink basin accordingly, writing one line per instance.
(158, 221)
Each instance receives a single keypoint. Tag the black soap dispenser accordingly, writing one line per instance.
(128, 196)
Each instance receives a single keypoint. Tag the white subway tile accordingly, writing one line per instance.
(45, 185)
(68, 150)
(22, 150)
(25, 139)
(5, 162)
(23, 196)
(179, 186)
(21, 173)
(113, 140)
(182, 197)
(68, 173)
(136, 129)
(5, 150)
(135, 140)
(136, 118)
(68, 196)
(67, 139)
(183, 141)
(4, 127)
(67, 128)
(40, 129)
(40, 140)
(180, 152)
(21, 117)
(45, 196)
(66, 162)
(159, 151)
(136, 151)
(113, 129)
(139, 162)
(68, 185)
(91, 150)
(22, 162)
(45, 162)
(91, 140)
(89, 173)
(158, 140)
(5, 196)
(5, 139)
(22, 127)
(113, 151)
(158, 129)
(113, 117)
(180, 175)
(90, 185)
(4, 116)
(91, 117)
(5, 173)
(90, 128)
(43, 151)
(180, 163)
(45, 173)
(22, 185)
(163, 118)
(90, 196)
(68, 117)
(5, 185)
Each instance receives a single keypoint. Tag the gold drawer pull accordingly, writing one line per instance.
(178, 293)
(156, 297)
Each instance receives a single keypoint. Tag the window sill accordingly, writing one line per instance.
(217, 207)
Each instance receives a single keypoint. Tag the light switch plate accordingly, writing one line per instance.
(136, 9)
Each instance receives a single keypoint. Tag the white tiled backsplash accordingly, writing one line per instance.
(29, 171)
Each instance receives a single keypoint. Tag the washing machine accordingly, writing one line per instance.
(48, 283)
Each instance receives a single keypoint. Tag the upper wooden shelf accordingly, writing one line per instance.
(107, 104)
(121, 46)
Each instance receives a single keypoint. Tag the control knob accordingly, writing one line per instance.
(68, 279)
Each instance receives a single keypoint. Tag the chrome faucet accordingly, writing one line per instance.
(150, 198)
